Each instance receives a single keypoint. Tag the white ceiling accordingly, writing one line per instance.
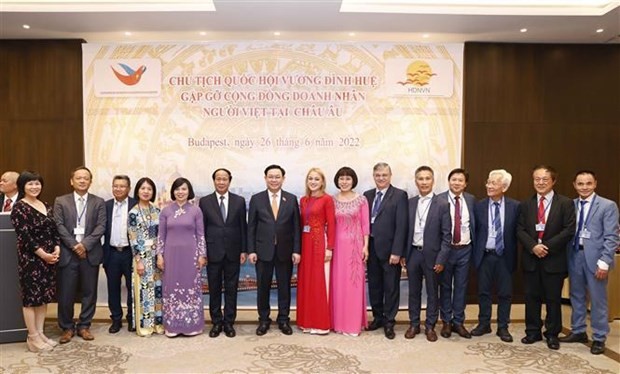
(190, 20)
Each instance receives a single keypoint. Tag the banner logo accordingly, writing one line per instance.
(132, 77)
(127, 78)
(419, 77)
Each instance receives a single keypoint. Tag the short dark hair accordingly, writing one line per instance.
(122, 177)
(82, 168)
(345, 171)
(141, 181)
(585, 171)
(178, 183)
(424, 168)
(550, 169)
(274, 166)
(459, 171)
(25, 177)
(222, 169)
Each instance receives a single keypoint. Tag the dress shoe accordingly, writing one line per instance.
(462, 331)
(553, 342)
(446, 329)
(389, 332)
(130, 328)
(285, 328)
(229, 330)
(481, 330)
(215, 330)
(66, 336)
(115, 327)
(531, 339)
(431, 335)
(262, 328)
(375, 324)
(503, 334)
(597, 348)
(85, 334)
(412, 332)
(580, 337)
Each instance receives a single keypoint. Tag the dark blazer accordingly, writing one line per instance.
(509, 231)
(389, 232)
(264, 229)
(65, 215)
(470, 200)
(437, 231)
(109, 210)
(224, 239)
(559, 230)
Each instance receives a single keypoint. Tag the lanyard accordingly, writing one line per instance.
(544, 212)
(492, 209)
(587, 218)
(79, 219)
(424, 212)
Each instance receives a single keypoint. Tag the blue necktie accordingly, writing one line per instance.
(580, 226)
(497, 225)
(377, 204)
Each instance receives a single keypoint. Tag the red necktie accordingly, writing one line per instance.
(7, 205)
(457, 220)
(541, 215)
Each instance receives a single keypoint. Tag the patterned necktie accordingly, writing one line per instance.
(223, 208)
(7, 205)
(274, 205)
(457, 220)
(377, 203)
(580, 226)
(497, 225)
(541, 215)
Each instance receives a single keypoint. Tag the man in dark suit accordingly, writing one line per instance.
(274, 242)
(428, 240)
(495, 253)
(117, 255)
(225, 229)
(456, 271)
(546, 225)
(590, 256)
(8, 190)
(80, 218)
(388, 230)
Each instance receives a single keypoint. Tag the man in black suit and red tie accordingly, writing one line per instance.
(8, 190)
(388, 236)
(226, 233)
(546, 225)
(274, 243)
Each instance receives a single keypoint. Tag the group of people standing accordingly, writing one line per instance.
(336, 242)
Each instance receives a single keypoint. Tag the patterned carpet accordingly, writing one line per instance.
(300, 353)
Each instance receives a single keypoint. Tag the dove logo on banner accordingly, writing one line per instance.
(127, 78)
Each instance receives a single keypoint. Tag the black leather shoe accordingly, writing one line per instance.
(262, 328)
(446, 330)
(481, 330)
(580, 337)
(285, 328)
(553, 343)
(229, 330)
(215, 330)
(374, 325)
(597, 347)
(503, 334)
(115, 327)
(389, 332)
(130, 327)
(461, 330)
(531, 339)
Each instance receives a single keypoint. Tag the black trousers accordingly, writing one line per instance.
(228, 272)
(543, 287)
(383, 287)
(264, 275)
(119, 266)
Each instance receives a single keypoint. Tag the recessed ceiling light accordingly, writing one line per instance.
(523, 30)
(26, 26)
(425, 35)
(127, 33)
(600, 30)
(203, 33)
(351, 34)
(276, 33)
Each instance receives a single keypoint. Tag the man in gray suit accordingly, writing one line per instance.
(590, 256)
(428, 242)
(81, 220)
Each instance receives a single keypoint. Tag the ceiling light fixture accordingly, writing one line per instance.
(600, 30)
(351, 34)
(127, 33)
(425, 35)
(277, 33)
(26, 26)
(523, 30)
(203, 33)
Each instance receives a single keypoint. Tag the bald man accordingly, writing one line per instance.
(8, 190)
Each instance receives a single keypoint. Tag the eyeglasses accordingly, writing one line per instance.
(543, 180)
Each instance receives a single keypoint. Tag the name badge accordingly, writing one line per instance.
(585, 234)
(149, 242)
(78, 231)
(372, 220)
(540, 227)
(307, 228)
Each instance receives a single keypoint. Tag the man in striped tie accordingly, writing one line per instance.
(8, 190)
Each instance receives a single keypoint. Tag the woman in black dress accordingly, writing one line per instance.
(38, 251)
